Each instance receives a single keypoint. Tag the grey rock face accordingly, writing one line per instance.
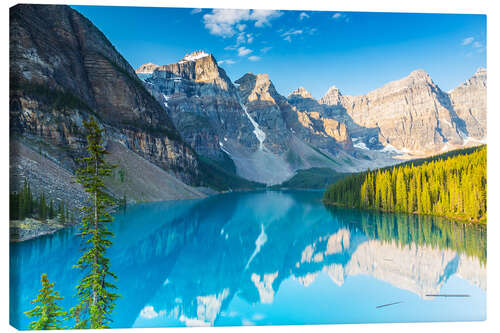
(469, 103)
(414, 115)
(264, 105)
(63, 70)
(203, 103)
(321, 129)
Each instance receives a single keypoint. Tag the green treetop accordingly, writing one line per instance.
(48, 312)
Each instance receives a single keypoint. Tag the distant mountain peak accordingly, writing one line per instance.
(480, 70)
(257, 87)
(480, 73)
(332, 96)
(478, 79)
(302, 92)
(420, 75)
(146, 68)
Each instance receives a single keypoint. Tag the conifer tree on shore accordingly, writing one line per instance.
(96, 298)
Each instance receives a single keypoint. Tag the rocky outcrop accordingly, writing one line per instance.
(469, 103)
(312, 116)
(63, 71)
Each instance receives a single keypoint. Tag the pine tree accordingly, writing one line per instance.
(51, 209)
(42, 207)
(47, 310)
(61, 215)
(96, 300)
(401, 192)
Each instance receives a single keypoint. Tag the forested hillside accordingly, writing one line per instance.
(452, 185)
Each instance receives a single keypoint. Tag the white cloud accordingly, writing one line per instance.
(341, 17)
(265, 49)
(195, 11)
(303, 15)
(243, 38)
(240, 39)
(227, 61)
(221, 22)
(467, 41)
(263, 16)
(477, 44)
(254, 58)
(292, 32)
(243, 51)
(225, 22)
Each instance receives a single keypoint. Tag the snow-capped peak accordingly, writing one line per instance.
(194, 56)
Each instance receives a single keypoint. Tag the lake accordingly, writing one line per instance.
(269, 257)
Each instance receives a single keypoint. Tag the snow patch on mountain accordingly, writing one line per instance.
(391, 149)
(259, 134)
(194, 56)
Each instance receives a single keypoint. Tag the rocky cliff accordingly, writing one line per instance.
(413, 115)
(63, 70)
(203, 104)
(263, 103)
(310, 115)
(469, 103)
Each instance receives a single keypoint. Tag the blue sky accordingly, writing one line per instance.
(355, 51)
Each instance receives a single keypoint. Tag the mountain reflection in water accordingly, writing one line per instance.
(269, 257)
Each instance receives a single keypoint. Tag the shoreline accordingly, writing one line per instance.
(455, 218)
(29, 228)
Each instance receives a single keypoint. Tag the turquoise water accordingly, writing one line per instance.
(269, 257)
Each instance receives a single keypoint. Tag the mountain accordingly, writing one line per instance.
(413, 115)
(296, 132)
(203, 104)
(244, 127)
(63, 70)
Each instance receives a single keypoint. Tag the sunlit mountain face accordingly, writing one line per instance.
(221, 261)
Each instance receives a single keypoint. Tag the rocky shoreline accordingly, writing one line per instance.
(30, 228)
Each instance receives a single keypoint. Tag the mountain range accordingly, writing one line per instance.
(269, 136)
(185, 130)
